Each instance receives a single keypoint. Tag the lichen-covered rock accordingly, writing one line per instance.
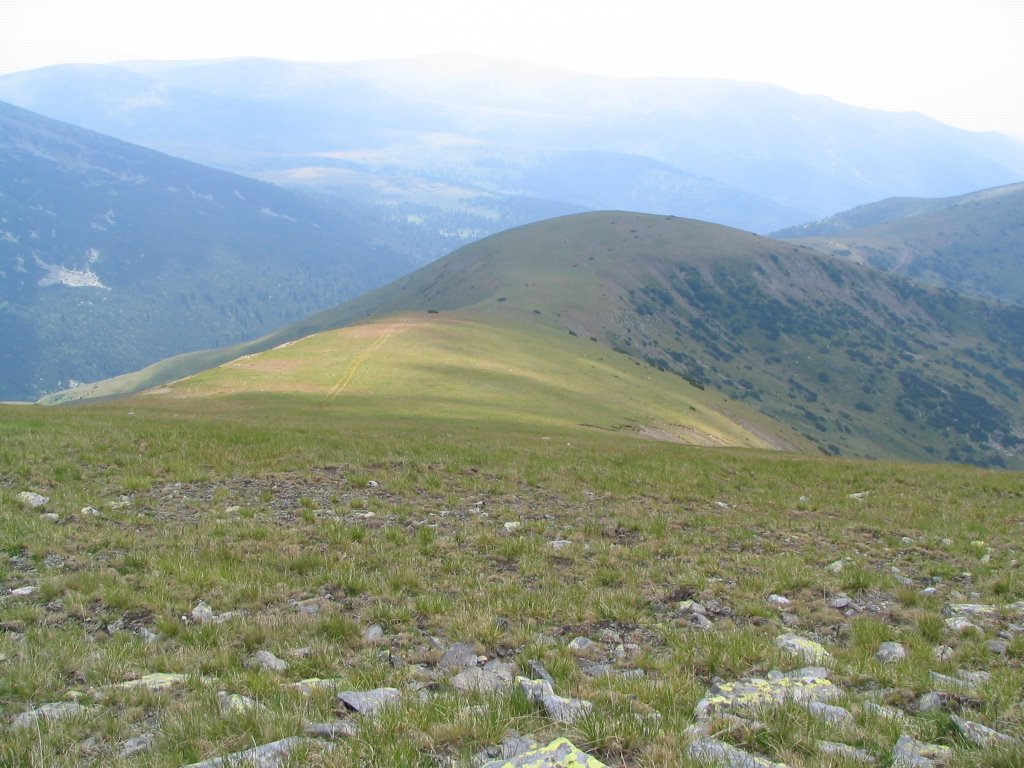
(156, 681)
(979, 734)
(754, 693)
(564, 710)
(535, 690)
(911, 753)
(33, 500)
(890, 652)
(477, 680)
(809, 650)
(310, 685)
(266, 661)
(560, 753)
(235, 703)
(722, 755)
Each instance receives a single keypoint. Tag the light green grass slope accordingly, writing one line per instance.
(456, 367)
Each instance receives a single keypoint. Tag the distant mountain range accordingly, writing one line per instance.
(972, 243)
(462, 147)
(113, 256)
(857, 361)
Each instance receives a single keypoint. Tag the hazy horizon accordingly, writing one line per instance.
(956, 62)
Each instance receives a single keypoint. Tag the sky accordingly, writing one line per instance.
(959, 61)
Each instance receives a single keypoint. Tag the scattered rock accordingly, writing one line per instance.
(512, 525)
(961, 625)
(557, 754)
(845, 751)
(911, 753)
(558, 544)
(235, 703)
(889, 653)
(836, 566)
(830, 714)
(718, 753)
(310, 685)
(459, 656)
(980, 735)
(56, 711)
(839, 602)
(581, 645)
(265, 756)
(809, 650)
(564, 710)
(778, 600)
(930, 702)
(477, 680)
(752, 693)
(539, 672)
(156, 681)
(33, 500)
(942, 653)
(692, 606)
(138, 744)
(52, 517)
(998, 647)
(373, 634)
(535, 690)
(23, 591)
(699, 620)
(339, 729)
(266, 661)
(881, 710)
(369, 702)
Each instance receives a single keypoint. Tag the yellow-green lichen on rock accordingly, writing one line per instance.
(809, 650)
(560, 753)
(754, 693)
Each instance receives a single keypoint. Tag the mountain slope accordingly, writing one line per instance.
(743, 154)
(860, 362)
(461, 368)
(972, 243)
(113, 256)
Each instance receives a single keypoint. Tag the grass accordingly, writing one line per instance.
(257, 502)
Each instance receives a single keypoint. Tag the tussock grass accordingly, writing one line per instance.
(257, 503)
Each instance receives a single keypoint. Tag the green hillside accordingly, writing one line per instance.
(460, 368)
(860, 362)
(971, 243)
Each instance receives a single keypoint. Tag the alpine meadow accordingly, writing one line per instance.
(438, 421)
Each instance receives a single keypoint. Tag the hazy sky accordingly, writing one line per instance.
(960, 61)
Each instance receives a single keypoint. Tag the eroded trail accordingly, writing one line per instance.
(387, 332)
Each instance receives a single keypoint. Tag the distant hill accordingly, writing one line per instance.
(113, 256)
(857, 361)
(972, 243)
(459, 145)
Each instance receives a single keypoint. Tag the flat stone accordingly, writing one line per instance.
(539, 672)
(559, 544)
(889, 653)
(52, 517)
(339, 729)
(960, 625)
(809, 650)
(980, 735)
(33, 500)
(560, 753)
(713, 752)
(459, 656)
(235, 703)
(369, 702)
(845, 751)
(58, 710)
(269, 755)
(970, 610)
(692, 606)
(311, 685)
(564, 710)
(839, 602)
(581, 644)
(911, 753)
(477, 680)
(778, 600)
(156, 681)
(23, 591)
(373, 633)
(748, 695)
(881, 710)
(969, 677)
(830, 714)
(700, 621)
(138, 744)
(266, 661)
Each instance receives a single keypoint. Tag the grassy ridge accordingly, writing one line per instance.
(254, 501)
